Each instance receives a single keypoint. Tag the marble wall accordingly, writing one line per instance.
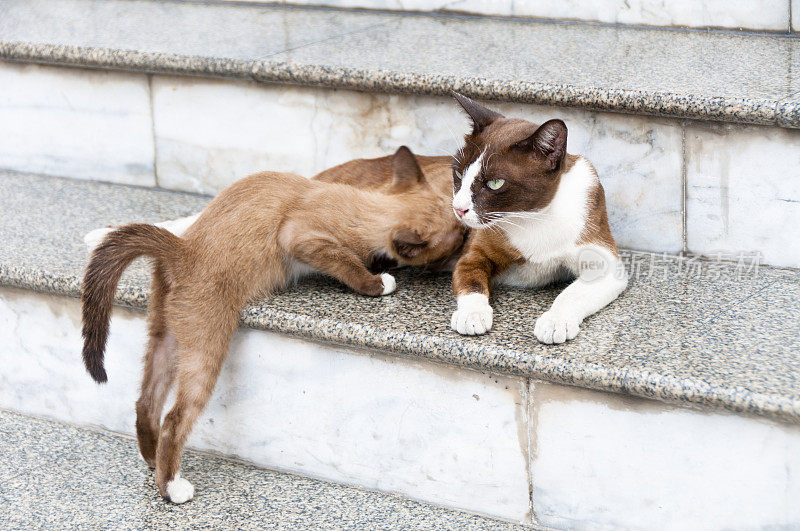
(795, 15)
(441, 434)
(200, 135)
(743, 191)
(87, 124)
(602, 461)
(770, 15)
(452, 437)
(210, 133)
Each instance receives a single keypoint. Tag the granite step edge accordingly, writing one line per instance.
(760, 111)
(693, 393)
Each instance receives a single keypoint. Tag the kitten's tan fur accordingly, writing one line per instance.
(246, 244)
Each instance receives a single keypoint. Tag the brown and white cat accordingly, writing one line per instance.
(252, 239)
(539, 216)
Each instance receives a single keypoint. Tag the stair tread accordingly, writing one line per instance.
(686, 331)
(84, 478)
(736, 77)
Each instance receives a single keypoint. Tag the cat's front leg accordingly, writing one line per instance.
(471, 278)
(175, 226)
(473, 316)
(601, 278)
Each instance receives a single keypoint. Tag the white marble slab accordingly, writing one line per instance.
(603, 461)
(210, 133)
(745, 14)
(743, 187)
(735, 14)
(445, 435)
(795, 15)
(86, 124)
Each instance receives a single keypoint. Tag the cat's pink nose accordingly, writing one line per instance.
(459, 212)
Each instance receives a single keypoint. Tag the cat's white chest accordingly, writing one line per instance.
(548, 256)
(548, 240)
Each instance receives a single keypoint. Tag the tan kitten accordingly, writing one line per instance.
(539, 216)
(369, 174)
(250, 241)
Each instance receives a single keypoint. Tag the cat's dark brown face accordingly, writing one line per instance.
(506, 166)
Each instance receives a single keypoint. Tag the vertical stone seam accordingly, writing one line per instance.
(153, 127)
(684, 189)
(531, 446)
(790, 16)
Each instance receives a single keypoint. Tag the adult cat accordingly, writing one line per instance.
(539, 216)
(249, 242)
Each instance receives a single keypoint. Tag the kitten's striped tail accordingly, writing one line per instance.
(106, 265)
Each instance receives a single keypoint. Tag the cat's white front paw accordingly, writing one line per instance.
(473, 316)
(389, 283)
(179, 490)
(552, 327)
(96, 237)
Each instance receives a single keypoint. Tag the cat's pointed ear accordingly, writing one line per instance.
(480, 115)
(407, 243)
(549, 143)
(406, 173)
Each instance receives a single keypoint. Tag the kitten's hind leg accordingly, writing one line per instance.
(159, 371)
(156, 383)
(203, 343)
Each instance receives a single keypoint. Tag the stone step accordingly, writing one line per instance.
(116, 490)
(686, 74)
(693, 368)
(672, 185)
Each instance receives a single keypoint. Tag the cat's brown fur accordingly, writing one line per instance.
(377, 173)
(538, 216)
(245, 245)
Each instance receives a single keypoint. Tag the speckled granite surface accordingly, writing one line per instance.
(56, 476)
(698, 333)
(694, 74)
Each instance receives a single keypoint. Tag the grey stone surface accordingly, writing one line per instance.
(750, 78)
(56, 476)
(699, 333)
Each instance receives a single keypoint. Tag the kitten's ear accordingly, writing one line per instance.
(481, 116)
(549, 143)
(406, 173)
(407, 243)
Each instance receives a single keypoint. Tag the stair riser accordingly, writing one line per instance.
(453, 437)
(450, 436)
(200, 135)
(607, 461)
(760, 15)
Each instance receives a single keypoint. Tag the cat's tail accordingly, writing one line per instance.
(106, 265)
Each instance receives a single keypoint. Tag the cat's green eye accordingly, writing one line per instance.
(457, 174)
(495, 184)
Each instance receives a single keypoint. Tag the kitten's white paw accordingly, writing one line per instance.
(473, 316)
(552, 327)
(389, 283)
(179, 490)
(95, 237)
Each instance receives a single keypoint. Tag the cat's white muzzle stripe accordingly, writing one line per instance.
(462, 200)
